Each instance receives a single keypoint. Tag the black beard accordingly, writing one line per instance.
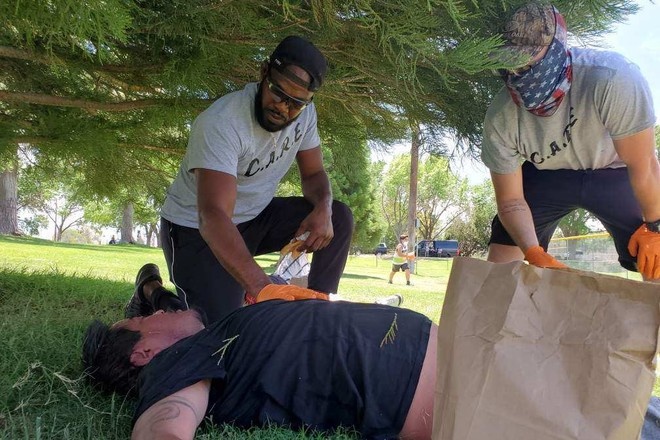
(261, 118)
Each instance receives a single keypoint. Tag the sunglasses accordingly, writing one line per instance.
(280, 95)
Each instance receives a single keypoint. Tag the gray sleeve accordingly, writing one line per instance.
(311, 137)
(213, 146)
(625, 102)
(499, 151)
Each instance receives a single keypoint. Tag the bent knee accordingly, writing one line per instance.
(342, 214)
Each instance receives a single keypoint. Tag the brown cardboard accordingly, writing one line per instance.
(530, 353)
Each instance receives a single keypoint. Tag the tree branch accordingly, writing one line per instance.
(12, 52)
(58, 101)
(154, 148)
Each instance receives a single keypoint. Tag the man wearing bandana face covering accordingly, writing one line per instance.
(582, 121)
(221, 211)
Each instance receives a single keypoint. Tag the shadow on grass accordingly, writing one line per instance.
(43, 392)
(361, 277)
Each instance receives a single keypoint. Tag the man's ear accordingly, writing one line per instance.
(141, 354)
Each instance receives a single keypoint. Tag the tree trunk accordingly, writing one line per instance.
(157, 234)
(58, 233)
(412, 199)
(9, 201)
(55, 218)
(126, 233)
(148, 235)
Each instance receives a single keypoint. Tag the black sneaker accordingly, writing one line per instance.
(138, 305)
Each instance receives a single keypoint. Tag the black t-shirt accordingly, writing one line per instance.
(306, 363)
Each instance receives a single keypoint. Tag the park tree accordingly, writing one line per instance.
(353, 185)
(9, 204)
(113, 85)
(126, 211)
(440, 197)
(472, 228)
(57, 199)
(349, 171)
(394, 195)
(574, 224)
(34, 224)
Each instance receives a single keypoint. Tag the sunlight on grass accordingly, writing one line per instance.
(365, 277)
(49, 292)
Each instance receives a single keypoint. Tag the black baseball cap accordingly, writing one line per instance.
(297, 51)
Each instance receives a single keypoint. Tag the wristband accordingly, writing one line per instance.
(653, 226)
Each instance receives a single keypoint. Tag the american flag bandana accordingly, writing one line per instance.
(541, 88)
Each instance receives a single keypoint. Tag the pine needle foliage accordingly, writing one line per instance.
(115, 84)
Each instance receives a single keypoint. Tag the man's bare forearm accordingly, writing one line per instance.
(316, 190)
(229, 248)
(645, 181)
(517, 220)
(174, 417)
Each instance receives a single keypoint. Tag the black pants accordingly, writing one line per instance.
(201, 281)
(553, 194)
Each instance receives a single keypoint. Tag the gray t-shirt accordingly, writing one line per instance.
(608, 99)
(226, 137)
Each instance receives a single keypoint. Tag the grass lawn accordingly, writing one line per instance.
(49, 292)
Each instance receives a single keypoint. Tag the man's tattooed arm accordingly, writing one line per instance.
(513, 206)
(176, 416)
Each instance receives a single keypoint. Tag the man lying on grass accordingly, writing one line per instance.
(302, 364)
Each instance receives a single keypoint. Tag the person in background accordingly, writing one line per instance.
(221, 211)
(400, 259)
(582, 122)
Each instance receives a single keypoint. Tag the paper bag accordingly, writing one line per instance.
(530, 353)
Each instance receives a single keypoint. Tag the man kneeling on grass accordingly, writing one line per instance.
(301, 364)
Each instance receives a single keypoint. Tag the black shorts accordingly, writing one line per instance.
(400, 267)
(313, 364)
(553, 194)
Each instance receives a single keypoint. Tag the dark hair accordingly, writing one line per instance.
(106, 358)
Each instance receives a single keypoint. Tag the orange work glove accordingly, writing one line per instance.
(540, 258)
(288, 292)
(645, 245)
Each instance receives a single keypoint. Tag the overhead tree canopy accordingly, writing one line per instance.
(111, 86)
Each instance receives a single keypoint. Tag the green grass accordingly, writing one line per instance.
(49, 292)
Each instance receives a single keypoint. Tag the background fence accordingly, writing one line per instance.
(593, 252)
